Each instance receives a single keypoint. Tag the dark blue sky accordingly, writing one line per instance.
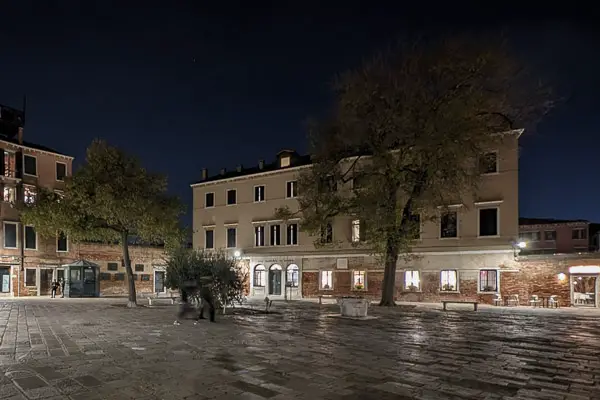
(185, 87)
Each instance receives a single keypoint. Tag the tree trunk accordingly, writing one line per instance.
(132, 300)
(389, 275)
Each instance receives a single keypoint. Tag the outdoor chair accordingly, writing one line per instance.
(497, 300)
(535, 301)
(553, 301)
(513, 300)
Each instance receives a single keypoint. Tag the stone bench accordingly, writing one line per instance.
(327, 296)
(152, 299)
(474, 303)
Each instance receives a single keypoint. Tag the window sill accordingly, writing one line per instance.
(412, 291)
(488, 237)
(62, 251)
(450, 291)
(10, 248)
(26, 249)
(30, 175)
(449, 238)
(326, 290)
(495, 292)
(490, 173)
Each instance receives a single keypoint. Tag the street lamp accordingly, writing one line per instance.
(518, 246)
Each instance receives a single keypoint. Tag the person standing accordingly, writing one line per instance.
(54, 288)
(207, 302)
(187, 289)
(62, 287)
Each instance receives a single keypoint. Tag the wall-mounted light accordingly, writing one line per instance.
(562, 277)
(237, 254)
(522, 245)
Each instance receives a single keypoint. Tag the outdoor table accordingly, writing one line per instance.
(545, 301)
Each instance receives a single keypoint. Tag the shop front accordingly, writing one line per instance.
(584, 282)
(5, 278)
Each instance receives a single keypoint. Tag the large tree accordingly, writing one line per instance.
(407, 130)
(111, 198)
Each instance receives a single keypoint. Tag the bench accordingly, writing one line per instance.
(155, 298)
(327, 296)
(474, 303)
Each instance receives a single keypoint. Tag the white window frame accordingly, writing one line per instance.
(479, 209)
(329, 274)
(213, 196)
(14, 172)
(25, 277)
(205, 236)
(451, 210)
(259, 268)
(258, 229)
(34, 191)
(364, 277)
(285, 161)
(497, 281)
(227, 228)
(497, 153)
(4, 234)
(25, 237)
(67, 240)
(355, 231)
(456, 289)
(14, 192)
(56, 171)
(272, 230)
(292, 268)
(264, 193)
(409, 280)
(36, 165)
(294, 188)
(227, 197)
(287, 234)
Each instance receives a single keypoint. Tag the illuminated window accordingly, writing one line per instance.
(449, 281)
(285, 161)
(412, 280)
(356, 231)
(326, 280)
(9, 164)
(292, 275)
(358, 280)
(488, 280)
(29, 194)
(259, 276)
(10, 194)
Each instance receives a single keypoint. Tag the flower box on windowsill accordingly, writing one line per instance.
(412, 289)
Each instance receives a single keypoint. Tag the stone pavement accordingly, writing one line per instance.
(96, 349)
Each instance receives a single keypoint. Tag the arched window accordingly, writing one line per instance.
(259, 276)
(292, 275)
(275, 267)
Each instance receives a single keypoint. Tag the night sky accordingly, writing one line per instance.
(185, 87)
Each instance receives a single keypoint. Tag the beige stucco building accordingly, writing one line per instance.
(460, 254)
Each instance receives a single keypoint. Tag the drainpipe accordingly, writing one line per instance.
(22, 260)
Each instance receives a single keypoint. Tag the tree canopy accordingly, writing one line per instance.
(110, 198)
(407, 130)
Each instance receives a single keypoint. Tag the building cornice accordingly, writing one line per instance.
(250, 176)
(33, 149)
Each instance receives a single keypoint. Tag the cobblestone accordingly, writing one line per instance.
(94, 349)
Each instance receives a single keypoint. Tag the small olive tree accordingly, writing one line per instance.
(215, 268)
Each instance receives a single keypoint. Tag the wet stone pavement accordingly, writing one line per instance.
(94, 349)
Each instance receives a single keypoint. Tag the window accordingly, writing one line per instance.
(139, 267)
(112, 266)
(104, 276)
(145, 277)
(411, 280)
(10, 235)
(259, 276)
(530, 236)
(10, 194)
(275, 235)
(326, 280)
(292, 234)
(209, 239)
(120, 277)
(415, 226)
(549, 235)
(449, 281)
(327, 233)
(62, 243)
(29, 165)
(488, 280)
(30, 276)
(355, 231)
(231, 237)
(259, 235)
(30, 238)
(9, 164)
(488, 163)
(488, 222)
(61, 171)
(578, 234)
(292, 275)
(29, 194)
(259, 193)
(449, 225)
(291, 189)
(231, 197)
(209, 200)
(284, 161)
(358, 280)
(135, 277)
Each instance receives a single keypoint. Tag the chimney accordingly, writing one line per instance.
(261, 164)
(223, 170)
(204, 174)
(239, 168)
(20, 135)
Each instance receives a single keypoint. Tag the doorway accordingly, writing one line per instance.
(275, 280)
(5, 280)
(584, 290)
(159, 282)
(82, 281)
(46, 275)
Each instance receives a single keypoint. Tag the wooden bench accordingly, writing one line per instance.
(155, 298)
(474, 303)
(327, 296)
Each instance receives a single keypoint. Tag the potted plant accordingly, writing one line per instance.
(412, 288)
(448, 288)
(359, 286)
(488, 289)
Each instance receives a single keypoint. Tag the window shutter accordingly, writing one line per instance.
(2, 172)
(19, 164)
